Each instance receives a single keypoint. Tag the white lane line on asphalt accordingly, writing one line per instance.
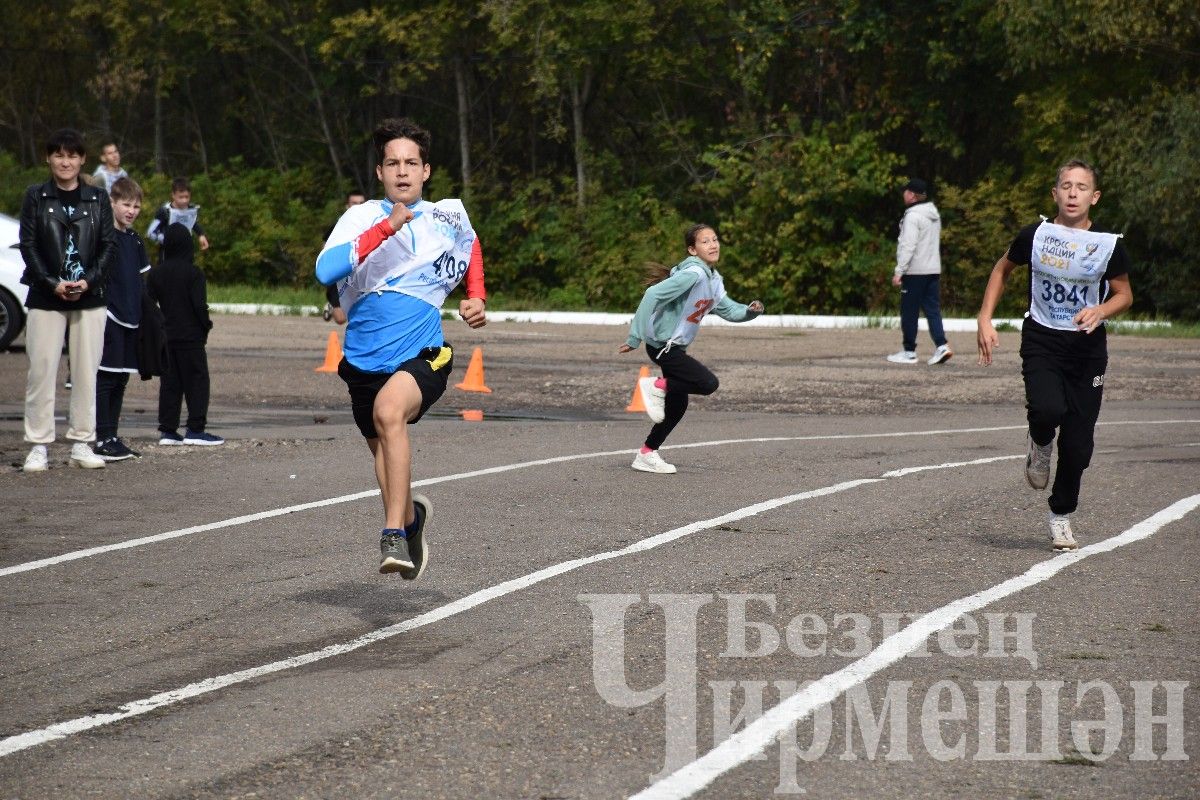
(900, 473)
(758, 736)
(61, 730)
(88, 552)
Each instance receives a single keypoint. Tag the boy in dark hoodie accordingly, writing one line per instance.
(178, 286)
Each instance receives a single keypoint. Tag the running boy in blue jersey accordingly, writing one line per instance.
(395, 261)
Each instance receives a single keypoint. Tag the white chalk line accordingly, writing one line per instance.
(756, 737)
(89, 552)
(61, 730)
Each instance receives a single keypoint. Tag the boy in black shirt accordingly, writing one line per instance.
(1078, 277)
(124, 293)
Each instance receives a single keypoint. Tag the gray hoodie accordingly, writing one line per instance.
(917, 251)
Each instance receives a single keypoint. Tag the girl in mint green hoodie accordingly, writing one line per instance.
(667, 320)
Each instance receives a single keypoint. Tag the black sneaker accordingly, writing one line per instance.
(418, 548)
(114, 450)
(393, 551)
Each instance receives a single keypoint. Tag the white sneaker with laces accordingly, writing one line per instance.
(36, 461)
(941, 355)
(653, 398)
(1061, 535)
(82, 456)
(903, 357)
(652, 462)
(1037, 464)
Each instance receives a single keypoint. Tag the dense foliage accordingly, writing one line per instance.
(586, 135)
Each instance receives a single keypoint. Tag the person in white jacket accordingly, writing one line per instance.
(918, 274)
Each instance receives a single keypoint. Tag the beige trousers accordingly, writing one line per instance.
(44, 333)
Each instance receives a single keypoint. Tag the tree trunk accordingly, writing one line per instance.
(160, 159)
(464, 128)
(579, 97)
(203, 153)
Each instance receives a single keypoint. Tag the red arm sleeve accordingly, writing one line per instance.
(475, 273)
(371, 238)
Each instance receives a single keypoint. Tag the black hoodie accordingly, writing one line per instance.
(179, 287)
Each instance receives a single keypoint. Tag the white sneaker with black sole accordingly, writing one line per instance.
(652, 462)
(941, 355)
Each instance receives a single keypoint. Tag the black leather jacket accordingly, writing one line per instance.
(44, 230)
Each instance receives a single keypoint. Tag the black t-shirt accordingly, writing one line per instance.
(1021, 252)
(70, 198)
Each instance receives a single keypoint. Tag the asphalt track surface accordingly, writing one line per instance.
(210, 622)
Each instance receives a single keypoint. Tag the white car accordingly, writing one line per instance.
(12, 291)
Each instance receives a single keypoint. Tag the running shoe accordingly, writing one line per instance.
(36, 461)
(941, 355)
(653, 398)
(1037, 464)
(418, 548)
(393, 552)
(903, 357)
(652, 462)
(1061, 535)
(115, 450)
(169, 438)
(202, 438)
(82, 456)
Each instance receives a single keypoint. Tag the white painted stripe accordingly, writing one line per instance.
(900, 473)
(758, 736)
(61, 730)
(279, 512)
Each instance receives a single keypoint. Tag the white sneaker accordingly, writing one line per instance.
(1037, 464)
(652, 462)
(903, 357)
(1061, 535)
(36, 461)
(654, 399)
(82, 456)
(941, 355)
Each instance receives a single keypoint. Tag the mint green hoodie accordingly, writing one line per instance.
(666, 298)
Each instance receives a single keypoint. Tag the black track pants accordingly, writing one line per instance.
(685, 375)
(1063, 389)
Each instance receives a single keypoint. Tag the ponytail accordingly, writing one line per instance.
(655, 273)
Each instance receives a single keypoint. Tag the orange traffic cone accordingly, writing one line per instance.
(636, 403)
(474, 380)
(333, 354)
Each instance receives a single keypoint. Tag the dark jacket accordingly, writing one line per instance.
(153, 356)
(45, 229)
(178, 286)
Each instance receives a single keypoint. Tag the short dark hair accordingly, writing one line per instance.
(355, 193)
(1078, 163)
(402, 128)
(180, 185)
(689, 237)
(107, 143)
(67, 140)
(125, 189)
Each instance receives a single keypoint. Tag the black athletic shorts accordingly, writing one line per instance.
(430, 368)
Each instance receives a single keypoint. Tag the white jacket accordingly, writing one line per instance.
(917, 252)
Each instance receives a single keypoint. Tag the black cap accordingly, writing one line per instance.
(917, 186)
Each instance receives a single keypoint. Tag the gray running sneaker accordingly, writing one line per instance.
(418, 547)
(393, 551)
(1037, 464)
(1061, 535)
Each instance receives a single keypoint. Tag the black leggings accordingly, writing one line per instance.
(1063, 391)
(685, 375)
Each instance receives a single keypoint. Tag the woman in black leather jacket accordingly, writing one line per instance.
(67, 242)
